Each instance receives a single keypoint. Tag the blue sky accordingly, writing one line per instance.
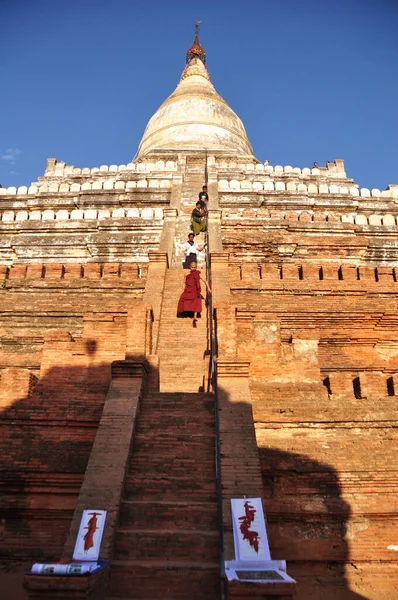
(311, 81)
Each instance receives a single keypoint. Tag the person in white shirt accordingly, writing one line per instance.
(191, 250)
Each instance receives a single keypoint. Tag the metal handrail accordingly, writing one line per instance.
(213, 379)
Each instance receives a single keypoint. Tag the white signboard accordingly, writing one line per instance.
(88, 541)
(252, 556)
(250, 535)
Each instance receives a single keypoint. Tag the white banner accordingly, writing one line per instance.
(88, 541)
(250, 534)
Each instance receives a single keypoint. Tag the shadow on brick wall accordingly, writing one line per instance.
(45, 443)
(307, 524)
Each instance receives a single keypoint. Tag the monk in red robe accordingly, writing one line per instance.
(191, 298)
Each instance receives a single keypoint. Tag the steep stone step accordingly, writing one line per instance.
(179, 423)
(191, 382)
(165, 545)
(172, 465)
(174, 468)
(174, 402)
(178, 411)
(163, 515)
(170, 488)
(184, 444)
(178, 407)
(160, 419)
(202, 410)
(200, 446)
(159, 580)
(188, 371)
(165, 399)
(173, 439)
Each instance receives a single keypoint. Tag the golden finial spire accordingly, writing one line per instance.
(196, 49)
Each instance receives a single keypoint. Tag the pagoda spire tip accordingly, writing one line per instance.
(196, 49)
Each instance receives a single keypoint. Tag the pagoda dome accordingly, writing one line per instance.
(194, 116)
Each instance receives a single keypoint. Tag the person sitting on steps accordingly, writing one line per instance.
(191, 298)
(191, 250)
(198, 222)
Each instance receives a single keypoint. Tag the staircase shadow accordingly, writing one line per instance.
(307, 523)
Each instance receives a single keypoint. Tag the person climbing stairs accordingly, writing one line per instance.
(183, 354)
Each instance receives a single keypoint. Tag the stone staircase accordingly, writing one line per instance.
(167, 541)
(182, 350)
(194, 179)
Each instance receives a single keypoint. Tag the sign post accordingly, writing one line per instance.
(253, 561)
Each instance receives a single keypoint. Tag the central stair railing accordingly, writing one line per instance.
(212, 385)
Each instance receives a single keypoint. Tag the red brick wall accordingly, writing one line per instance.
(37, 298)
(328, 453)
(52, 390)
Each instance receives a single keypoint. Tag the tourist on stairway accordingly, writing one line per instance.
(190, 302)
(204, 198)
(191, 250)
(198, 221)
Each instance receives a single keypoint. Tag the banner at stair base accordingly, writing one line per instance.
(250, 534)
(88, 541)
(252, 556)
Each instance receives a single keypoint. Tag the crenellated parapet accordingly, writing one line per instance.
(290, 182)
(333, 169)
(262, 215)
(78, 214)
(298, 187)
(59, 169)
(107, 185)
(60, 179)
(311, 278)
(39, 274)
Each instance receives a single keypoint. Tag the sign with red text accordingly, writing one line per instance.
(250, 534)
(88, 541)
